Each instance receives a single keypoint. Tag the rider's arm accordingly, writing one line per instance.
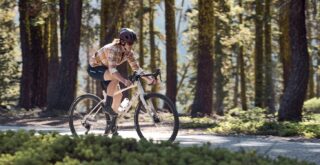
(134, 63)
(111, 63)
(135, 67)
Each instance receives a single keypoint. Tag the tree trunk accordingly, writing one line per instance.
(292, 102)
(171, 50)
(70, 43)
(318, 54)
(243, 80)
(141, 36)
(152, 41)
(317, 7)
(40, 66)
(236, 83)
(219, 79)
(269, 87)
(285, 48)
(53, 50)
(26, 92)
(311, 92)
(318, 76)
(242, 71)
(204, 86)
(35, 71)
(62, 15)
(259, 54)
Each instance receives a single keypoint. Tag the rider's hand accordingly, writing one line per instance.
(152, 81)
(127, 83)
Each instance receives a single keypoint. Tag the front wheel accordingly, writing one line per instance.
(161, 123)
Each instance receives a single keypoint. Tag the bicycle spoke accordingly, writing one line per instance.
(86, 116)
(160, 123)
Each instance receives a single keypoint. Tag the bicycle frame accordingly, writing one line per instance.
(138, 95)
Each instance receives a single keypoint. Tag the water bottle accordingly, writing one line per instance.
(124, 104)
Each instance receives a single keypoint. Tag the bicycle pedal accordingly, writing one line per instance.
(87, 126)
(114, 130)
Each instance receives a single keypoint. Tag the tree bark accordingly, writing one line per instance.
(203, 102)
(34, 59)
(141, 35)
(152, 40)
(171, 50)
(236, 83)
(70, 43)
(53, 49)
(26, 92)
(243, 80)
(219, 79)
(269, 87)
(258, 59)
(317, 7)
(292, 102)
(242, 70)
(311, 92)
(40, 67)
(63, 15)
(285, 48)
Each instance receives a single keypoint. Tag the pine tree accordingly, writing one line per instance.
(258, 58)
(292, 102)
(70, 43)
(203, 102)
(171, 50)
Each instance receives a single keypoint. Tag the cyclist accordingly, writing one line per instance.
(103, 66)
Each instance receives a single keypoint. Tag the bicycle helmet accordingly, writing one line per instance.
(128, 35)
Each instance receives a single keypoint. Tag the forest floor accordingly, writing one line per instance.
(36, 118)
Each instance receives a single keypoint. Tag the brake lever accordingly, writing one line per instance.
(160, 76)
(158, 72)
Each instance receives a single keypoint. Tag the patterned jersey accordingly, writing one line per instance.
(112, 55)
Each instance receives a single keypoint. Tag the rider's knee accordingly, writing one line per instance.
(120, 95)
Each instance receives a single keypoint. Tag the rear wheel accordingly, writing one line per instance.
(86, 116)
(162, 125)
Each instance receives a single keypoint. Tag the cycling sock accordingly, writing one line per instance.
(108, 107)
(109, 101)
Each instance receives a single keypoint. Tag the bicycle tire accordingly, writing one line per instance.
(165, 108)
(73, 123)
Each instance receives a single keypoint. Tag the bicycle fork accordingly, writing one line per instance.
(150, 109)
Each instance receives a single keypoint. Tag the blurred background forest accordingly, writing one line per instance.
(214, 55)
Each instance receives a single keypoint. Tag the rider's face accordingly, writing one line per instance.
(128, 46)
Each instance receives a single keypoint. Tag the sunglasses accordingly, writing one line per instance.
(130, 43)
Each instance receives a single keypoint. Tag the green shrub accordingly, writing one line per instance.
(205, 122)
(57, 149)
(257, 122)
(312, 105)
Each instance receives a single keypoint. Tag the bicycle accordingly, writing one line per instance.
(155, 116)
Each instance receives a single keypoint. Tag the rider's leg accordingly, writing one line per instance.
(112, 88)
(114, 101)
